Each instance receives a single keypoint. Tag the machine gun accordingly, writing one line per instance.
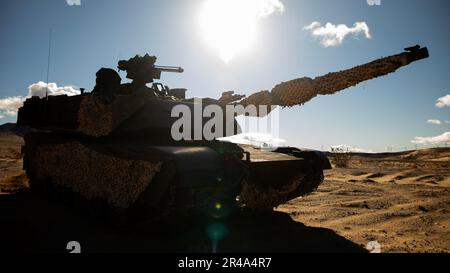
(142, 69)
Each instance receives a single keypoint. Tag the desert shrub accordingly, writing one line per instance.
(340, 157)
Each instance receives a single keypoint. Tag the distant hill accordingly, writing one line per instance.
(430, 154)
(12, 128)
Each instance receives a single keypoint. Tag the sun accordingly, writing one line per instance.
(230, 26)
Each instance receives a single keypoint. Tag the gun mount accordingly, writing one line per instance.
(142, 69)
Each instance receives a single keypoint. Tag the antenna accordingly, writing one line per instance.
(118, 53)
(48, 60)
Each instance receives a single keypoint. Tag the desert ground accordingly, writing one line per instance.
(400, 200)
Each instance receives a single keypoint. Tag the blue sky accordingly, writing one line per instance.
(389, 111)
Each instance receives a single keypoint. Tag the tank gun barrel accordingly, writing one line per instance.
(334, 82)
(302, 90)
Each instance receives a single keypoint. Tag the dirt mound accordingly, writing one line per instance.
(431, 178)
(436, 154)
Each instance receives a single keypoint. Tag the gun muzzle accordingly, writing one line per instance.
(416, 53)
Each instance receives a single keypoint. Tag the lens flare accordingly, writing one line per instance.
(216, 232)
(230, 26)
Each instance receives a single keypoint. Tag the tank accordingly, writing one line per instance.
(112, 148)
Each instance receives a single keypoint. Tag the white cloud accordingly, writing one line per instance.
(255, 139)
(333, 35)
(444, 138)
(448, 122)
(10, 105)
(39, 89)
(443, 101)
(265, 8)
(434, 121)
(73, 2)
(348, 148)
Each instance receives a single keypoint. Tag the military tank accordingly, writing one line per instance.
(113, 148)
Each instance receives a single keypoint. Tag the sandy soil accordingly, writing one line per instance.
(12, 178)
(400, 200)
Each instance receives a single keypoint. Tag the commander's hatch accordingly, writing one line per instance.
(160, 88)
(164, 90)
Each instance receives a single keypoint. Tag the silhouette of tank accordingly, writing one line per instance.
(113, 147)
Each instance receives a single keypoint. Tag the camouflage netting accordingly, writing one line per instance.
(119, 181)
(100, 115)
(334, 82)
(229, 96)
(95, 117)
(260, 98)
(294, 92)
(300, 91)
